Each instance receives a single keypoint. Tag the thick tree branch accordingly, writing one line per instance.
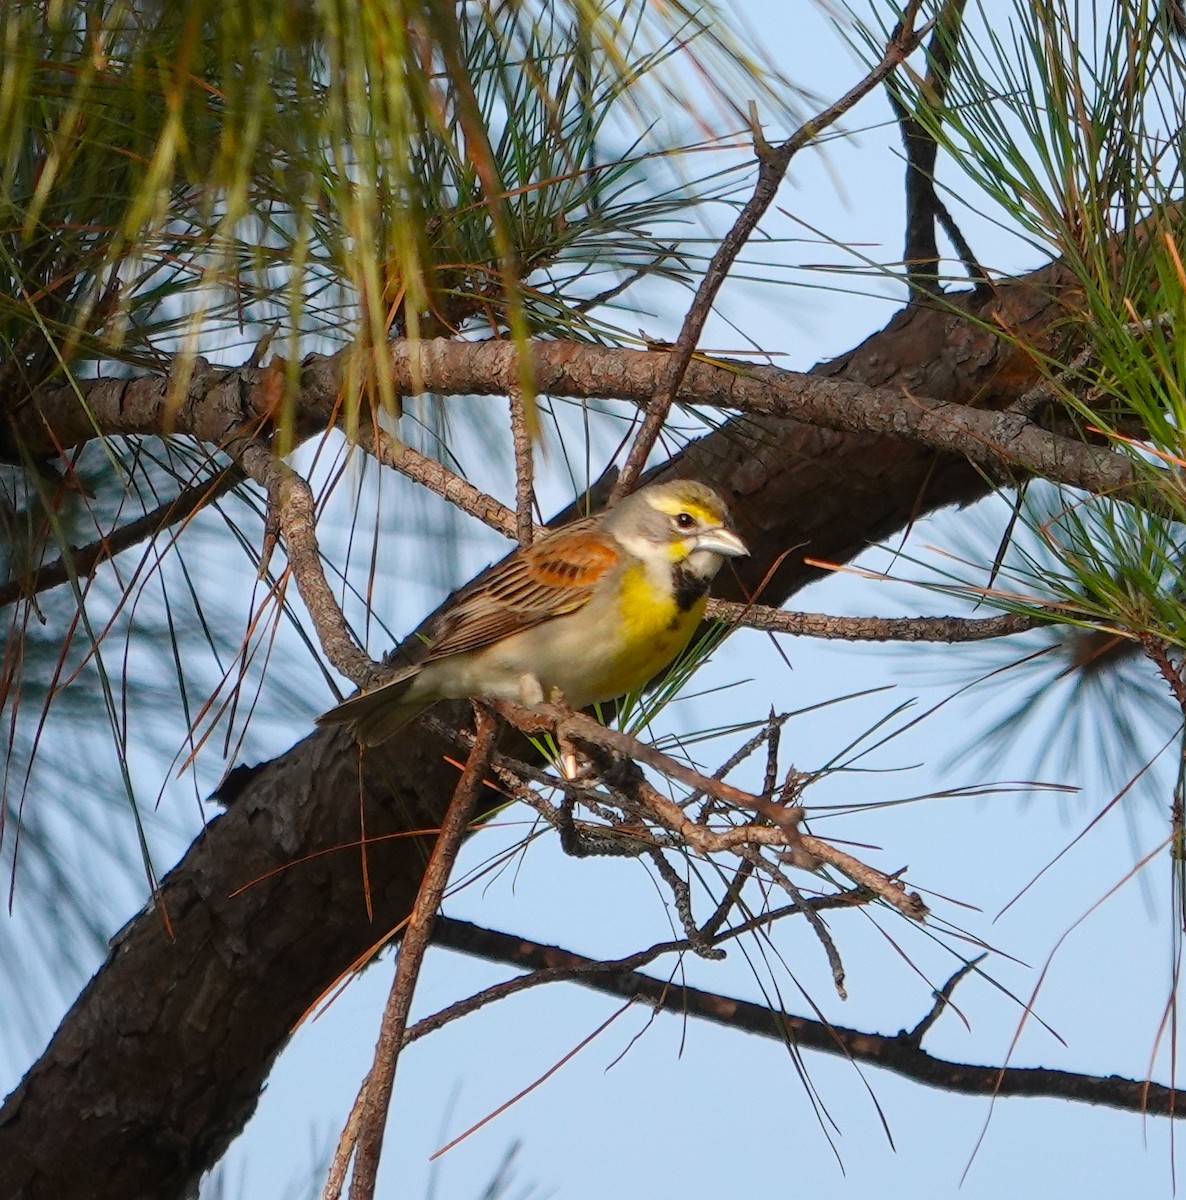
(181, 1024)
(999, 442)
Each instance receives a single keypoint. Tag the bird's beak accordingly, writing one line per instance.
(723, 542)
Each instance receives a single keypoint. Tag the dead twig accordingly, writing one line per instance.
(803, 850)
(773, 162)
(813, 918)
(942, 1000)
(292, 510)
(367, 1141)
(394, 453)
(876, 629)
(524, 467)
(682, 897)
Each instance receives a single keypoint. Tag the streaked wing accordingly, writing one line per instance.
(554, 576)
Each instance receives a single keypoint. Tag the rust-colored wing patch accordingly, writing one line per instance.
(554, 576)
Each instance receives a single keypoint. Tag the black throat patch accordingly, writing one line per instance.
(689, 587)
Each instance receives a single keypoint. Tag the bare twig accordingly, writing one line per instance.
(769, 734)
(435, 476)
(292, 507)
(893, 1052)
(682, 896)
(813, 918)
(773, 162)
(459, 935)
(567, 967)
(1000, 442)
(876, 629)
(943, 999)
(729, 901)
(381, 1078)
(335, 1178)
(888, 888)
(83, 561)
(524, 468)
(585, 729)
(804, 849)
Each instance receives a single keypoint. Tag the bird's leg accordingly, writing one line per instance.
(531, 691)
(569, 766)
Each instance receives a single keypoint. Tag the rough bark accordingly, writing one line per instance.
(160, 1062)
(164, 1053)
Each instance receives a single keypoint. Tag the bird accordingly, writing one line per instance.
(591, 610)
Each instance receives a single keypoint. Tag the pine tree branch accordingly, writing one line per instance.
(899, 1052)
(876, 629)
(216, 408)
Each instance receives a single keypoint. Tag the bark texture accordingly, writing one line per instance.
(161, 1060)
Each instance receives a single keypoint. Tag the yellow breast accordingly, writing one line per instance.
(652, 632)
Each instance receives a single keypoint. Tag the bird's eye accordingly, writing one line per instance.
(685, 520)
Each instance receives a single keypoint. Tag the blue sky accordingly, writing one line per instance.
(666, 1108)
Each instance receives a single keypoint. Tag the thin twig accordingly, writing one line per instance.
(754, 855)
(550, 964)
(876, 629)
(729, 901)
(783, 832)
(943, 999)
(768, 733)
(682, 895)
(524, 467)
(418, 932)
(435, 476)
(888, 888)
(893, 1053)
(82, 562)
(458, 935)
(292, 507)
(585, 729)
(335, 1177)
(773, 163)
(805, 850)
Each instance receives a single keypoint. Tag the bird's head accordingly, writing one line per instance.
(685, 521)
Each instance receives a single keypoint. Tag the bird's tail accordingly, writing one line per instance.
(375, 715)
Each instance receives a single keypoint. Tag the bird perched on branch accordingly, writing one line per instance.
(592, 610)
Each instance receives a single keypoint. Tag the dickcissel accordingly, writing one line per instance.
(592, 610)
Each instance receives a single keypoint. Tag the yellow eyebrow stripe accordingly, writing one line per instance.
(674, 504)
